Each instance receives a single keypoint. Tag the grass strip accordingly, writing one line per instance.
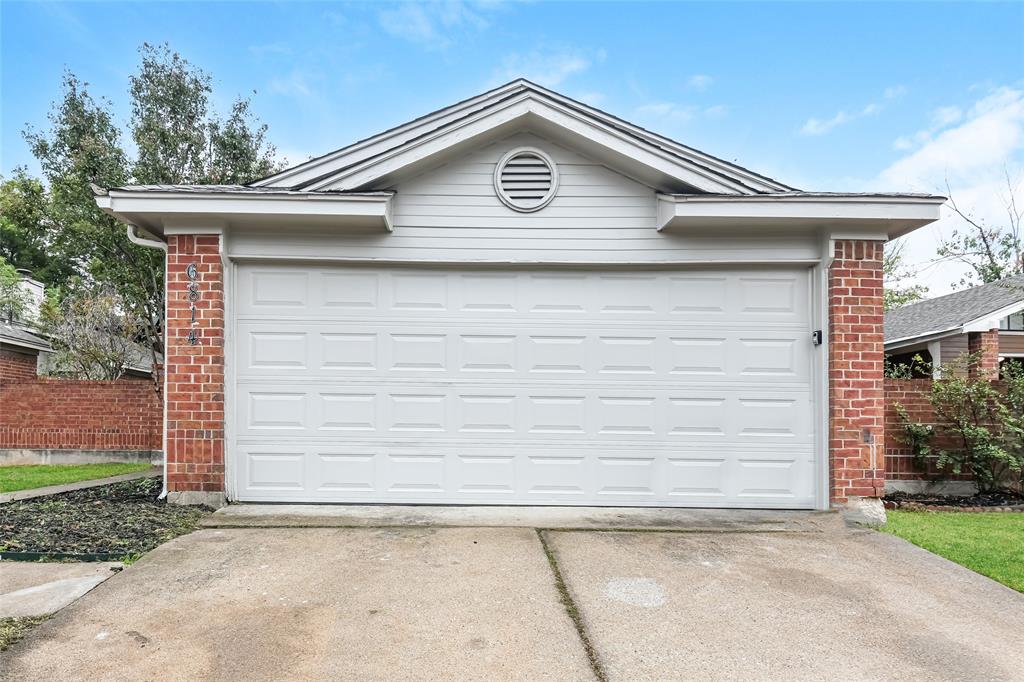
(29, 476)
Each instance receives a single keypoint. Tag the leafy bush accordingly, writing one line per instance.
(916, 368)
(979, 424)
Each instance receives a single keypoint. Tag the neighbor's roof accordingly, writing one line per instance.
(140, 358)
(11, 335)
(949, 314)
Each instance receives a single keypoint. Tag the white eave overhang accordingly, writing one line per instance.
(889, 215)
(163, 212)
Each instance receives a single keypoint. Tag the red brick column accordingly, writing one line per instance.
(195, 371)
(986, 345)
(855, 368)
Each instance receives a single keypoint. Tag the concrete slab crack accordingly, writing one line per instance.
(571, 609)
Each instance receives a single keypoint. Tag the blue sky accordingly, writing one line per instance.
(847, 96)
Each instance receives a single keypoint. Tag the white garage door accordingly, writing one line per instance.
(657, 387)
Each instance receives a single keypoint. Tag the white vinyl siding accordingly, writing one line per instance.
(453, 214)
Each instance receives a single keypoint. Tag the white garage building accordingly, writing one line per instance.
(520, 299)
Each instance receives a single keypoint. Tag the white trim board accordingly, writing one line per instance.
(451, 121)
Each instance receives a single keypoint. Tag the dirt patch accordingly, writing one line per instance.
(122, 520)
(1001, 501)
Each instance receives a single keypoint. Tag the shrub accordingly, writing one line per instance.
(983, 423)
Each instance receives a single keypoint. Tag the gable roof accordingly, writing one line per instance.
(951, 314)
(669, 165)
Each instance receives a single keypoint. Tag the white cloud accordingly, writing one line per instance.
(991, 134)
(944, 116)
(699, 82)
(433, 25)
(902, 143)
(717, 111)
(894, 92)
(545, 67)
(972, 151)
(295, 83)
(816, 126)
(666, 111)
(678, 113)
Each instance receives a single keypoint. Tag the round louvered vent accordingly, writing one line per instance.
(526, 179)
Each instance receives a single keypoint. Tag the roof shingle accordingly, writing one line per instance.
(945, 313)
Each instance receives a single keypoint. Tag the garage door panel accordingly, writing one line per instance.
(501, 386)
(548, 473)
(758, 295)
(562, 351)
(722, 414)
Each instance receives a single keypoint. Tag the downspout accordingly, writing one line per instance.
(149, 243)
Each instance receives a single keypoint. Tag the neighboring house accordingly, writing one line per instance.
(20, 346)
(19, 352)
(520, 299)
(940, 330)
(25, 352)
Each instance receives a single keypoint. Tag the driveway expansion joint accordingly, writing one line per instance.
(571, 609)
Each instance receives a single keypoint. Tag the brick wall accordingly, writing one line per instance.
(15, 366)
(986, 345)
(913, 395)
(856, 358)
(195, 372)
(53, 413)
(899, 459)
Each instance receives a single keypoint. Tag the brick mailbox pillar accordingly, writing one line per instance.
(195, 370)
(856, 363)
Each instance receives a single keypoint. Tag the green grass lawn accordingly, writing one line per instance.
(991, 543)
(41, 475)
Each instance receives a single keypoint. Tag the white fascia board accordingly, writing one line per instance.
(210, 212)
(393, 139)
(520, 108)
(853, 214)
(927, 337)
(991, 320)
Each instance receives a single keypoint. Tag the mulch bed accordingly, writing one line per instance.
(991, 502)
(116, 521)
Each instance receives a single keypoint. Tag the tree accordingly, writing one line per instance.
(992, 252)
(176, 139)
(895, 272)
(92, 336)
(25, 238)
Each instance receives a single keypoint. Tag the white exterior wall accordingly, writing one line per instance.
(452, 214)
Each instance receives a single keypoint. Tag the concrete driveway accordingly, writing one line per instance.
(487, 604)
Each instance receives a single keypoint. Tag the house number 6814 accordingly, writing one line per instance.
(193, 295)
